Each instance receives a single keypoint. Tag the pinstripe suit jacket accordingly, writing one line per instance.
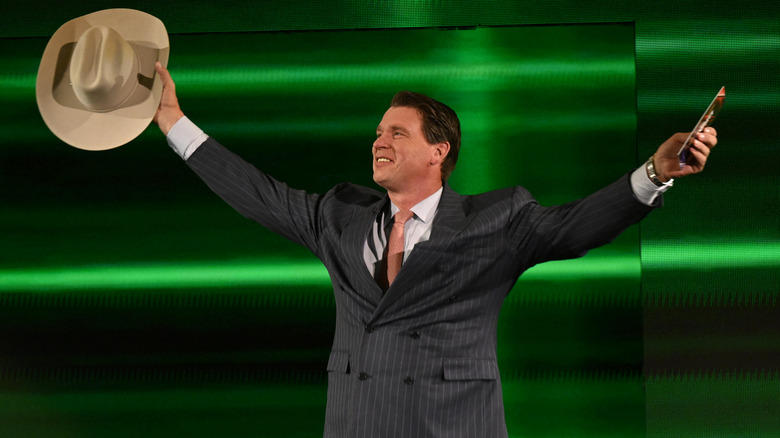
(420, 359)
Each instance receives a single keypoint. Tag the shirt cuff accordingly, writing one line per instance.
(184, 137)
(644, 189)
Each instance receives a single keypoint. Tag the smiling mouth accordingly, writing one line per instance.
(383, 160)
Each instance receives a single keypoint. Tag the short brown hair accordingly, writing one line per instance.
(439, 124)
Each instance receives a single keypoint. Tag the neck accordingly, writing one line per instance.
(408, 199)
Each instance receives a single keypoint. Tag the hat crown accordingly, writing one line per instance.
(103, 69)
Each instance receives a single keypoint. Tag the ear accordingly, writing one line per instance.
(440, 151)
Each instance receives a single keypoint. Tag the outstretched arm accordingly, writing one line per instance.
(288, 212)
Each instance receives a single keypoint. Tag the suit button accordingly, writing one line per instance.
(363, 376)
(408, 380)
(414, 335)
(453, 298)
(368, 328)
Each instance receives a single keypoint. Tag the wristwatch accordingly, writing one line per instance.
(650, 168)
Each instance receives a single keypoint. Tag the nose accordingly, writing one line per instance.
(380, 142)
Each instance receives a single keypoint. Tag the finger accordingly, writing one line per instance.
(165, 76)
(707, 138)
(700, 147)
(712, 136)
(699, 152)
(710, 130)
(698, 160)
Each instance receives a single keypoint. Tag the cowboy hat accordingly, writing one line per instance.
(96, 86)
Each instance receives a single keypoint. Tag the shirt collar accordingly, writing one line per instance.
(424, 210)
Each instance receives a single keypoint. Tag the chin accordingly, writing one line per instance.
(381, 182)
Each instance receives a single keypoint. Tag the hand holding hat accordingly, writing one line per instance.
(169, 111)
(96, 87)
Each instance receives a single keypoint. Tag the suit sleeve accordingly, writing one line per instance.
(571, 230)
(289, 212)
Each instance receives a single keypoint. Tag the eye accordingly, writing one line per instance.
(397, 134)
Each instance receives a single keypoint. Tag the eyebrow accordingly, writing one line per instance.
(394, 128)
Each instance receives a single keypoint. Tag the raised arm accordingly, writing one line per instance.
(285, 211)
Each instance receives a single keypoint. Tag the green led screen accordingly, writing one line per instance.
(134, 303)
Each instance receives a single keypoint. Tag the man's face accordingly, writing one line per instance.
(403, 158)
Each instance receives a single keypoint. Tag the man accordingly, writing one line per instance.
(414, 351)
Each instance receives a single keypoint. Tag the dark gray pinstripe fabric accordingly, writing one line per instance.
(420, 360)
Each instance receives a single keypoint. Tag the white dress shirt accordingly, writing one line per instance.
(416, 230)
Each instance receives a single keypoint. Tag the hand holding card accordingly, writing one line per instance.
(705, 121)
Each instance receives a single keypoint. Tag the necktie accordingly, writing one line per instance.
(395, 245)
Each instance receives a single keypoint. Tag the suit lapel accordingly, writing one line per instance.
(353, 240)
(449, 221)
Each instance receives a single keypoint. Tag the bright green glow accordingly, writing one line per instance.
(658, 255)
(312, 273)
(268, 78)
(260, 273)
(590, 268)
(263, 77)
(169, 275)
(478, 123)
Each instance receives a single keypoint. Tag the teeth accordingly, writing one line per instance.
(381, 160)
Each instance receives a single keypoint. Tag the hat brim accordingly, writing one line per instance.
(61, 110)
